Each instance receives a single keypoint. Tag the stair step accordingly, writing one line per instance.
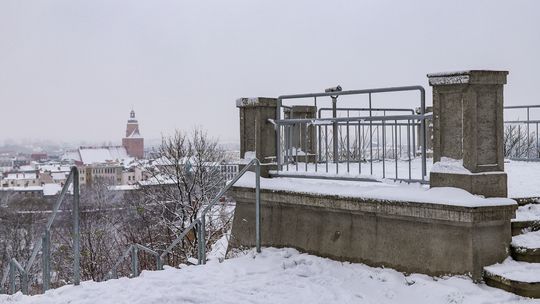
(520, 227)
(526, 247)
(521, 278)
(527, 219)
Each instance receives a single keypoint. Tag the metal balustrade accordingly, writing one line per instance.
(521, 137)
(43, 245)
(199, 226)
(366, 147)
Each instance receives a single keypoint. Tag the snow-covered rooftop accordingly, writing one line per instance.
(21, 176)
(98, 155)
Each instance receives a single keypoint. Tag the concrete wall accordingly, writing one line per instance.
(410, 237)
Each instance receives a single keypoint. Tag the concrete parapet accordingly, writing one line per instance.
(434, 239)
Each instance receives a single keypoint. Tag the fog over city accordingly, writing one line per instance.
(72, 70)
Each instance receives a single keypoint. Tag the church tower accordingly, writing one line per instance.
(133, 142)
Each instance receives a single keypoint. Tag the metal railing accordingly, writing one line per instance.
(365, 147)
(199, 226)
(44, 245)
(521, 137)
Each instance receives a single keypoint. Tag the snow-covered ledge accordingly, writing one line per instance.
(407, 227)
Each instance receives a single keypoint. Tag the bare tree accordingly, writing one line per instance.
(184, 178)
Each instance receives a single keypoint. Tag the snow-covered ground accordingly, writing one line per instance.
(275, 276)
(523, 177)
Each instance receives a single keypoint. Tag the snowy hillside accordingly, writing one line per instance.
(274, 276)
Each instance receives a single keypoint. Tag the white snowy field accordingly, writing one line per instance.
(523, 177)
(275, 276)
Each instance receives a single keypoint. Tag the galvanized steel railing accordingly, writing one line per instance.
(199, 225)
(354, 148)
(521, 137)
(44, 245)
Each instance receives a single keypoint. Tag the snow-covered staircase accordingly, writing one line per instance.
(520, 273)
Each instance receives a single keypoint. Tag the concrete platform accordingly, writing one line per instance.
(370, 224)
(523, 177)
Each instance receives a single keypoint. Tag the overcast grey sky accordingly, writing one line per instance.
(71, 70)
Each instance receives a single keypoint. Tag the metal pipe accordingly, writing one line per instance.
(258, 207)
(46, 260)
(353, 92)
(335, 131)
(134, 261)
(76, 228)
(423, 126)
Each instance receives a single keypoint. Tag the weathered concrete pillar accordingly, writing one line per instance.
(257, 135)
(468, 131)
(303, 136)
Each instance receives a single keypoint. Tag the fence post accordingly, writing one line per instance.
(159, 266)
(199, 243)
(258, 206)
(24, 282)
(134, 261)
(76, 229)
(335, 134)
(202, 240)
(11, 277)
(46, 260)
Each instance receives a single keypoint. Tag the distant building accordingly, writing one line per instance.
(98, 155)
(38, 157)
(20, 179)
(109, 174)
(133, 142)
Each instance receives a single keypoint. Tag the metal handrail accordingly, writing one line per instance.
(312, 159)
(199, 224)
(330, 120)
(43, 243)
(15, 266)
(369, 92)
(133, 250)
(367, 110)
(254, 162)
(522, 107)
(531, 150)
